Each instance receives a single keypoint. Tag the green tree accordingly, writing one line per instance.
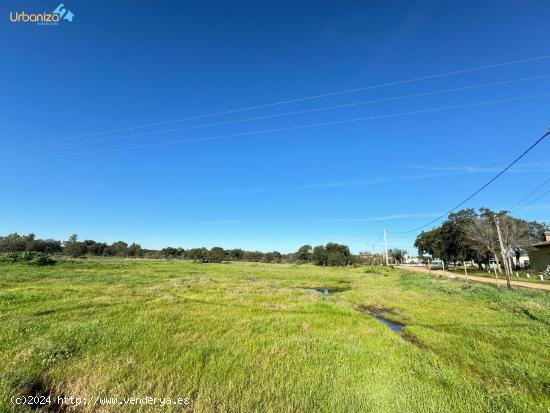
(13, 243)
(397, 254)
(304, 253)
(274, 256)
(121, 248)
(337, 254)
(19, 243)
(319, 255)
(47, 246)
(135, 250)
(216, 254)
(73, 248)
(253, 256)
(169, 253)
(450, 241)
(236, 254)
(96, 248)
(197, 254)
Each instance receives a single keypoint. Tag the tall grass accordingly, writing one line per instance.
(252, 337)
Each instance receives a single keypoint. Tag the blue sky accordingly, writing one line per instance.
(124, 64)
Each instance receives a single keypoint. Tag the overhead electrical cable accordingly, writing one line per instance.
(277, 115)
(312, 97)
(534, 191)
(534, 200)
(377, 242)
(477, 191)
(311, 125)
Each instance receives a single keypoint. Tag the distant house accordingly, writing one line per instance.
(413, 260)
(539, 254)
(523, 261)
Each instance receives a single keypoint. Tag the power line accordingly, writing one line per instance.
(516, 160)
(430, 93)
(313, 97)
(377, 242)
(312, 125)
(534, 200)
(514, 208)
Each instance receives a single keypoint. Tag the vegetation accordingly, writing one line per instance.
(252, 337)
(37, 258)
(370, 258)
(397, 255)
(331, 254)
(19, 243)
(469, 235)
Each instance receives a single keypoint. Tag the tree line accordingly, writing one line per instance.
(470, 235)
(331, 254)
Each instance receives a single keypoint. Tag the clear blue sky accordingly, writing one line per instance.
(125, 64)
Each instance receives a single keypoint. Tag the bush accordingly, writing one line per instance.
(29, 257)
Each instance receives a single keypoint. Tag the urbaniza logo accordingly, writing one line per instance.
(61, 13)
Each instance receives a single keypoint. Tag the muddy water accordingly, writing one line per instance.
(396, 327)
(378, 314)
(326, 290)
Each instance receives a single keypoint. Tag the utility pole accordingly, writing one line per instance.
(386, 248)
(502, 251)
(496, 275)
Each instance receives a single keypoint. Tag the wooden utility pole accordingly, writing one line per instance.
(503, 252)
(386, 248)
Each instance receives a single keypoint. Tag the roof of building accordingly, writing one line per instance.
(541, 244)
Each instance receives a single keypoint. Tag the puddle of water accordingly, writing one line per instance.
(396, 327)
(377, 311)
(323, 291)
(326, 290)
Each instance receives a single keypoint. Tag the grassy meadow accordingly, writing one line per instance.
(245, 337)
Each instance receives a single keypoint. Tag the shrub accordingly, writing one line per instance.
(29, 257)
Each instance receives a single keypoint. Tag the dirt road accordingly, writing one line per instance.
(502, 281)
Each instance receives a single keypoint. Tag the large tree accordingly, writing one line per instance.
(397, 254)
(303, 254)
(216, 254)
(449, 242)
(331, 254)
(135, 250)
(273, 256)
(482, 236)
(319, 255)
(517, 234)
(121, 248)
(73, 248)
(19, 243)
(197, 254)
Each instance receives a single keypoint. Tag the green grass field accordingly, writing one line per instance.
(250, 338)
